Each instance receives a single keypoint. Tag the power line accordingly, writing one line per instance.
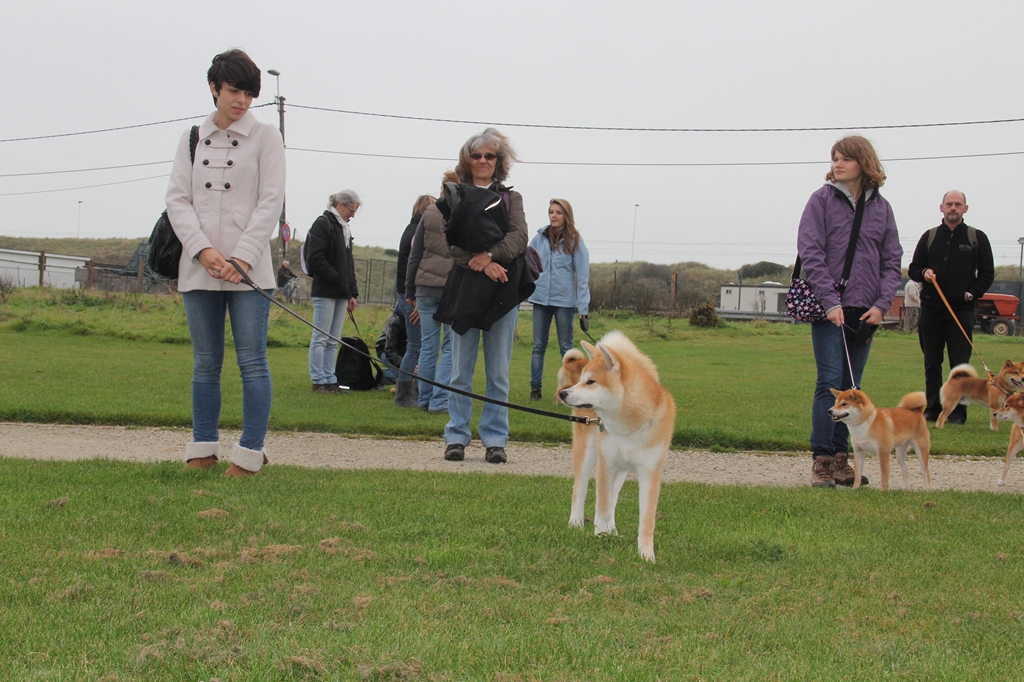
(655, 165)
(656, 130)
(108, 130)
(84, 170)
(69, 189)
(542, 125)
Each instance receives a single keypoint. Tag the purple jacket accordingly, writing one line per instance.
(824, 236)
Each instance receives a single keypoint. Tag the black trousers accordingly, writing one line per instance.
(937, 332)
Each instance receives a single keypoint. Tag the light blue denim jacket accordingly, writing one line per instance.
(565, 282)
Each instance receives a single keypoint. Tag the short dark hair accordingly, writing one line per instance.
(235, 68)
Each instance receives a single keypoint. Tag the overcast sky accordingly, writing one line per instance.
(71, 66)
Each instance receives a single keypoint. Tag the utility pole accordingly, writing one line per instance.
(78, 232)
(632, 243)
(280, 113)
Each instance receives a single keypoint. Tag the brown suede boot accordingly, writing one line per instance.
(821, 472)
(208, 462)
(842, 472)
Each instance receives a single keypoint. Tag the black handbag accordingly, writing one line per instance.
(164, 245)
(801, 304)
(353, 368)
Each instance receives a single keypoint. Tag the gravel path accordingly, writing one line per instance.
(59, 442)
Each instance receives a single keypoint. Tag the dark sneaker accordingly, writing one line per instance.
(535, 393)
(496, 455)
(455, 452)
(324, 388)
(931, 415)
(338, 388)
(842, 472)
(821, 472)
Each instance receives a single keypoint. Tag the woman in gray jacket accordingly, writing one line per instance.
(224, 209)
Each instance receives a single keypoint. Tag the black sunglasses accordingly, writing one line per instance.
(476, 156)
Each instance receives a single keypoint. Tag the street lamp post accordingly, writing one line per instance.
(632, 242)
(78, 232)
(280, 114)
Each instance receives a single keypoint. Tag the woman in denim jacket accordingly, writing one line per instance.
(562, 289)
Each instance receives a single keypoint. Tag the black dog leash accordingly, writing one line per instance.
(378, 362)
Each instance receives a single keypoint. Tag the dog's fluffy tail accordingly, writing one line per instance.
(914, 401)
(572, 354)
(964, 370)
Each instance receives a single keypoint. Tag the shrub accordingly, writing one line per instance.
(704, 315)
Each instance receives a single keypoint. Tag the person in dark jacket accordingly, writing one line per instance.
(285, 279)
(822, 241)
(334, 292)
(406, 393)
(390, 346)
(959, 258)
(497, 278)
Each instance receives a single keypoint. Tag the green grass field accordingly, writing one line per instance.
(126, 359)
(118, 571)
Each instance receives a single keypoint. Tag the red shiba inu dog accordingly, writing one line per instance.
(1012, 411)
(878, 430)
(620, 384)
(964, 387)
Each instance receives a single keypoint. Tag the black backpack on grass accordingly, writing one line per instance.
(354, 369)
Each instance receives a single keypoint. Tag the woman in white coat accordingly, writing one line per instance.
(224, 207)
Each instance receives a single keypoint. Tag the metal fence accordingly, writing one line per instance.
(376, 280)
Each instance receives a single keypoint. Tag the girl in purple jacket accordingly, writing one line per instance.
(822, 242)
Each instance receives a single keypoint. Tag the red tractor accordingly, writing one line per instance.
(997, 314)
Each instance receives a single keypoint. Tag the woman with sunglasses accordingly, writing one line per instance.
(224, 206)
(484, 161)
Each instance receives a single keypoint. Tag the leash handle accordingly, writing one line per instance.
(378, 362)
(957, 320)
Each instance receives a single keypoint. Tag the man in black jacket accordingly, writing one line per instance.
(959, 258)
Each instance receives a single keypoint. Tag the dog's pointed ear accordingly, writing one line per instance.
(589, 349)
(609, 359)
(1008, 364)
(835, 392)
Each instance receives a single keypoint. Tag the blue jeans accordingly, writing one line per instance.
(497, 355)
(432, 368)
(329, 315)
(249, 311)
(828, 437)
(542, 315)
(412, 340)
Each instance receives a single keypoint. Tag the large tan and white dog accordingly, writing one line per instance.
(878, 430)
(1012, 411)
(964, 387)
(620, 384)
(585, 437)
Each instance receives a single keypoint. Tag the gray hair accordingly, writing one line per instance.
(489, 138)
(346, 197)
